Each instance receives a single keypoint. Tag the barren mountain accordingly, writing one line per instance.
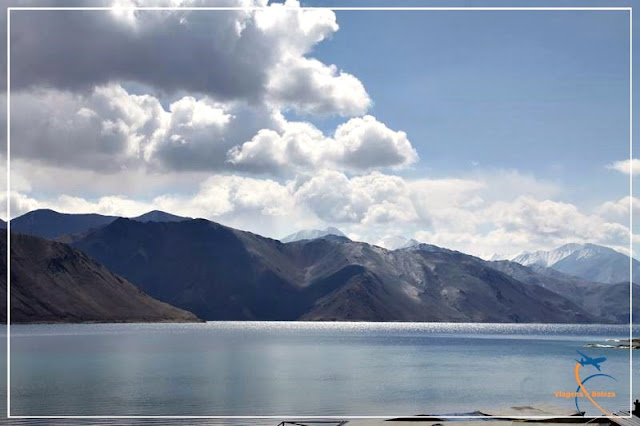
(52, 282)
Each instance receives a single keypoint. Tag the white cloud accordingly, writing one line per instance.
(112, 205)
(508, 184)
(19, 203)
(372, 198)
(221, 195)
(445, 212)
(618, 210)
(526, 223)
(553, 220)
(311, 87)
(109, 129)
(625, 166)
(359, 144)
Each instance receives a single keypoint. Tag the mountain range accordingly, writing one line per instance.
(221, 273)
(609, 302)
(218, 272)
(586, 261)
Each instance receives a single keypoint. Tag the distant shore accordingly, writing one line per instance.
(619, 344)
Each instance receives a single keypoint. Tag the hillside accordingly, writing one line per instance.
(51, 282)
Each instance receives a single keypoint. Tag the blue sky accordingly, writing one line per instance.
(545, 93)
(483, 131)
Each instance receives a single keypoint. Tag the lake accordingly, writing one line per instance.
(302, 368)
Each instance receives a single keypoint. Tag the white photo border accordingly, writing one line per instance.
(319, 417)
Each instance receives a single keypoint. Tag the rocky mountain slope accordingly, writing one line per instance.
(51, 282)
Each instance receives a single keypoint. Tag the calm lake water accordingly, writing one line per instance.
(294, 369)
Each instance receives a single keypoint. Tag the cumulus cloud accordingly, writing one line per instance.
(626, 166)
(361, 143)
(311, 87)
(371, 198)
(230, 55)
(618, 210)
(554, 220)
(211, 99)
(221, 195)
(110, 129)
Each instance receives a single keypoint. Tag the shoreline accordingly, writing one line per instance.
(381, 323)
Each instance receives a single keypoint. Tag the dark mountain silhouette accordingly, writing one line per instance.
(159, 216)
(52, 282)
(51, 224)
(223, 273)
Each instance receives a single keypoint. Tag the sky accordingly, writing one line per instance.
(488, 132)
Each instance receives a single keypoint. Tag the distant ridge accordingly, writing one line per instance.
(50, 224)
(610, 302)
(310, 234)
(590, 262)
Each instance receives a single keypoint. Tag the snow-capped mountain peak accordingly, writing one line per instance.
(588, 261)
(548, 258)
(395, 242)
(311, 234)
